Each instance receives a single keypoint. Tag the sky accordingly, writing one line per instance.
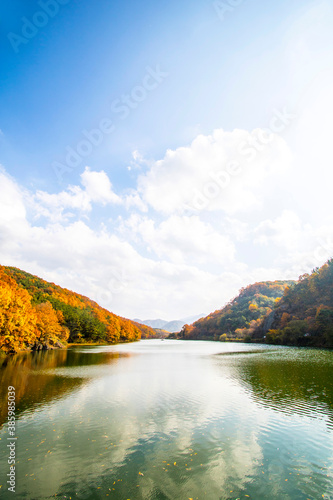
(158, 156)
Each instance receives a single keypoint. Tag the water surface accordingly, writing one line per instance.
(171, 420)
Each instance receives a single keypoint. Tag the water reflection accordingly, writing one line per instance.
(291, 381)
(178, 420)
(37, 376)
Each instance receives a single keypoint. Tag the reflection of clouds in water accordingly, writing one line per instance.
(144, 412)
(177, 405)
(174, 407)
(239, 460)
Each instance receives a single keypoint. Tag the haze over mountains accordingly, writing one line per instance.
(169, 326)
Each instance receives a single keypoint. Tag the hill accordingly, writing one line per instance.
(160, 333)
(304, 315)
(241, 316)
(35, 314)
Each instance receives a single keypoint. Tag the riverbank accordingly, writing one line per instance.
(59, 345)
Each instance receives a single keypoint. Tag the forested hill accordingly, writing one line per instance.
(35, 314)
(240, 317)
(298, 313)
(304, 315)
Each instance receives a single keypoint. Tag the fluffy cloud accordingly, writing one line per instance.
(285, 231)
(64, 205)
(98, 263)
(222, 171)
(13, 224)
(98, 187)
(183, 239)
(12, 207)
(110, 268)
(299, 246)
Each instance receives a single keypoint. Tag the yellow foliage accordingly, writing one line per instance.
(49, 328)
(17, 316)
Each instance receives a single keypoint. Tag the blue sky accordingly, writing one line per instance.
(159, 156)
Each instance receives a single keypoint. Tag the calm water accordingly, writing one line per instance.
(171, 420)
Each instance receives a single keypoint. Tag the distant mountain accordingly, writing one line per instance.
(153, 323)
(169, 326)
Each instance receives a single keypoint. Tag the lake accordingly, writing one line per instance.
(171, 420)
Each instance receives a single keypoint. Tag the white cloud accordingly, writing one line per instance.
(237, 230)
(285, 231)
(109, 269)
(133, 200)
(163, 258)
(98, 187)
(222, 171)
(12, 208)
(183, 239)
(301, 246)
(66, 204)
(13, 223)
(53, 206)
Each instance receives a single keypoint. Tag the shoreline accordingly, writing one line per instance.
(3, 354)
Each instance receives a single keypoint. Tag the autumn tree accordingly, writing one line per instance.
(50, 325)
(17, 316)
(34, 312)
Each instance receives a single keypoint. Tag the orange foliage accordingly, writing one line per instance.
(49, 324)
(37, 314)
(284, 319)
(17, 316)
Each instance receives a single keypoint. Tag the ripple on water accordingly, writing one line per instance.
(179, 420)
